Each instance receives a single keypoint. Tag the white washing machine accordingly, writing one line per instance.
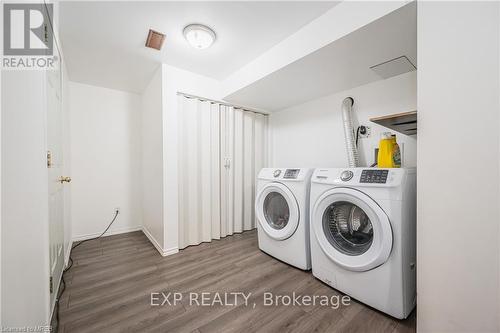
(363, 235)
(282, 211)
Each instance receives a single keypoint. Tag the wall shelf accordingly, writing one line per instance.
(405, 122)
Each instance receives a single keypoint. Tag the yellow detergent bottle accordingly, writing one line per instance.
(385, 151)
(396, 152)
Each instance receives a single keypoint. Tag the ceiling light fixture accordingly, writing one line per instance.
(199, 36)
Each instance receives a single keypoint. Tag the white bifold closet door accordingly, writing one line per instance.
(243, 152)
(221, 150)
(199, 171)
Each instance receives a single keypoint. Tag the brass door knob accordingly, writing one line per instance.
(63, 179)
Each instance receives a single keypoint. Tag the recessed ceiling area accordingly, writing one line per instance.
(103, 42)
(338, 66)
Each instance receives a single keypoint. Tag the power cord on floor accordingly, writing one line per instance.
(70, 264)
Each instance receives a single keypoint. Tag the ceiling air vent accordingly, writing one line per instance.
(155, 39)
(393, 67)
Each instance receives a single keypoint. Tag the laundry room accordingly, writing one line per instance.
(250, 166)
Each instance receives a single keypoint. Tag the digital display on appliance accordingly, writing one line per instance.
(291, 173)
(374, 176)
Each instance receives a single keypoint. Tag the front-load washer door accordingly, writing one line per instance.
(351, 229)
(277, 211)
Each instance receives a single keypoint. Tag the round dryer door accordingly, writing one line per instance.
(351, 229)
(277, 211)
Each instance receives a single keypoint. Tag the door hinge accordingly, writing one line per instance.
(51, 285)
(49, 159)
(46, 33)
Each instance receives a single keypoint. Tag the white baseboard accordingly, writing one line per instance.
(170, 251)
(109, 233)
(163, 252)
(153, 241)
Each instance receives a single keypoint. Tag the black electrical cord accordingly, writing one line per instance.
(70, 264)
(357, 135)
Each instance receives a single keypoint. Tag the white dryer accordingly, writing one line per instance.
(363, 235)
(282, 211)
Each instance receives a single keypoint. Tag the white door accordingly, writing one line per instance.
(53, 93)
(351, 229)
(277, 211)
(243, 154)
(199, 171)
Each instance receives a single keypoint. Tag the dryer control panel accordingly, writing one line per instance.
(291, 173)
(363, 177)
(285, 174)
(374, 176)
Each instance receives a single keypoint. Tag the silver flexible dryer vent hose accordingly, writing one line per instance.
(352, 150)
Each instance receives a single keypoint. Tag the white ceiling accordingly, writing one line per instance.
(103, 42)
(339, 66)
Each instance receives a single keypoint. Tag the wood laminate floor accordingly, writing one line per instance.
(109, 290)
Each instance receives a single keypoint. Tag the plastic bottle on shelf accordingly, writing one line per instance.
(385, 151)
(396, 152)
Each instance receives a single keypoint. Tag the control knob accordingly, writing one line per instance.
(346, 175)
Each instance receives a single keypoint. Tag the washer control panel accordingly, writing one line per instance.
(277, 173)
(346, 175)
(374, 176)
(291, 173)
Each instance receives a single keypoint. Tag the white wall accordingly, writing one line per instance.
(336, 23)
(160, 150)
(312, 135)
(458, 240)
(176, 80)
(25, 238)
(105, 160)
(152, 160)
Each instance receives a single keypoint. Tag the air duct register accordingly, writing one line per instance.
(393, 67)
(155, 39)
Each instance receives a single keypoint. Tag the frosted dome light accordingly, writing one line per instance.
(199, 36)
